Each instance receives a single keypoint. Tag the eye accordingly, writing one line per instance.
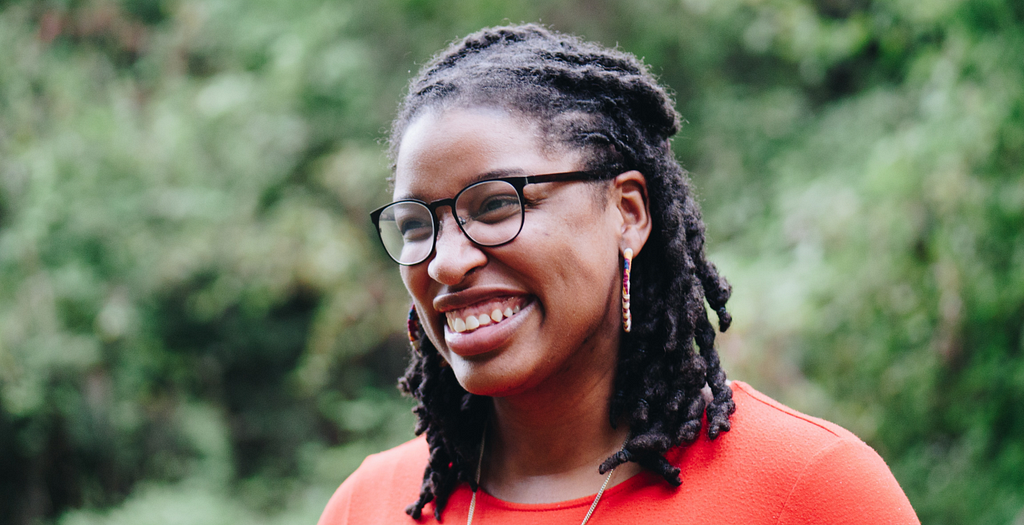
(411, 221)
(414, 229)
(496, 208)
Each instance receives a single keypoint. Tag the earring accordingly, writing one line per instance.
(627, 317)
(414, 328)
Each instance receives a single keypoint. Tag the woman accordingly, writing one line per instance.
(554, 373)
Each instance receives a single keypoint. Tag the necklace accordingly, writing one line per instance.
(480, 461)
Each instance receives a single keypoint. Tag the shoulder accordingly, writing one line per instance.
(810, 470)
(780, 426)
(767, 436)
(380, 489)
(396, 461)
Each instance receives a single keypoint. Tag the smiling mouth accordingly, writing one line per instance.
(487, 313)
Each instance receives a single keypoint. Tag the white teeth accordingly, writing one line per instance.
(473, 322)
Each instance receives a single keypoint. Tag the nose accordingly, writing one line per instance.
(455, 256)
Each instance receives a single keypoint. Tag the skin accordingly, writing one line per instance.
(550, 368)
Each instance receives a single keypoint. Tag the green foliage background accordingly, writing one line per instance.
(196, 325)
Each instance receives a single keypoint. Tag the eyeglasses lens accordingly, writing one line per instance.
(407, 231)
(490, 213)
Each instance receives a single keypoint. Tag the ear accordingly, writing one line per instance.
(629, 191)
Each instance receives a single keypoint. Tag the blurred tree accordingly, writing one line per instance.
(195, 319)
(189, 290)
(883, 234)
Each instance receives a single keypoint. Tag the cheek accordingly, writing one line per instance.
(582, 269)
(416, 283)
(410, 280)
(416, 279)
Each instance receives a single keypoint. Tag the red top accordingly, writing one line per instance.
(775, 466)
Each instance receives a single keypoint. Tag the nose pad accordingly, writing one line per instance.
(455, 256)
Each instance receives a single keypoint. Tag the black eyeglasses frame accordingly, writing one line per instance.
(516, 182)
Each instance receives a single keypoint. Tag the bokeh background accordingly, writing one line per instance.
(197, 326)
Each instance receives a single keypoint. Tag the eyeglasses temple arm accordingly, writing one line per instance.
(565, 177)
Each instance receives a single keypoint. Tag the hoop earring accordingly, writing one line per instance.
(414, 329)
(627, 316)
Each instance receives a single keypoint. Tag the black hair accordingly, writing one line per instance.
(605, 103)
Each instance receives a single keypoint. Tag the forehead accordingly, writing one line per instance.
(443, 151)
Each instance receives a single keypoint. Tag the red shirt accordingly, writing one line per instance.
(776, 466)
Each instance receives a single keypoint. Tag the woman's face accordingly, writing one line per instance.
(548, 303)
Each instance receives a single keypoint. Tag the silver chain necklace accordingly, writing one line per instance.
(480, 461)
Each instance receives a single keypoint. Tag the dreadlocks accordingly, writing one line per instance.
(606, 104)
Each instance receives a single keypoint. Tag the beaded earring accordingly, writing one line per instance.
(627, 317)
(414, 328)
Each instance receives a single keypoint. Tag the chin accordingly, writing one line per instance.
(485, 383)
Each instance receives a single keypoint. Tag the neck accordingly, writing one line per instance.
(546, 445)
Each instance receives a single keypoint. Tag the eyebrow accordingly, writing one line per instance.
(488, 175)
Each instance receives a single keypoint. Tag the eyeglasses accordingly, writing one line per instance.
(489, 213)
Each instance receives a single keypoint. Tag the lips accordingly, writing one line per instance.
(486, 313)
(485, 324)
